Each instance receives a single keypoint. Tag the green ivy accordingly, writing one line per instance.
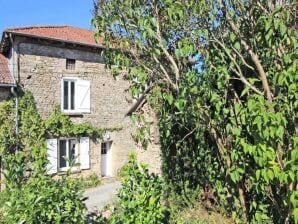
(59, 124)
(33, 131)
(31, 196)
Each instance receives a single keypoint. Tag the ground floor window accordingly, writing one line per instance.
(68, 153)
(64, 153)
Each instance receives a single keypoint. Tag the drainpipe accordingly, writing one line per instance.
(14, 92)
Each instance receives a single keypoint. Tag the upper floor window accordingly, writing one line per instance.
(75, 95)
(68, 94)
(70, 64)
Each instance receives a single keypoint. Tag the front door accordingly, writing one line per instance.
(105, 163)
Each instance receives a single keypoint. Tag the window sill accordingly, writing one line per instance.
(79, 114)
(63, 171)
(74, 114)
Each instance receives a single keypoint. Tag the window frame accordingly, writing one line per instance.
(70, 64)
(104, 147)
(67, 153)
(69, 80)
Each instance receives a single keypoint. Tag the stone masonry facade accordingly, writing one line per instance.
(41, 68)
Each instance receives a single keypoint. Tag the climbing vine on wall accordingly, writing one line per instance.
(33, 131)
(30, 196)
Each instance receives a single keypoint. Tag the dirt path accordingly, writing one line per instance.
(100, 196)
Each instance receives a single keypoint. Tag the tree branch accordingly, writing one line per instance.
(165, 51)
(239, 72)
(165, 73)
(139, 102)
(253, 55)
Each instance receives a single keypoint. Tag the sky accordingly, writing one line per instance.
(15, 13)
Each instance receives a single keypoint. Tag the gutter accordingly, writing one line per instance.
(8, 85)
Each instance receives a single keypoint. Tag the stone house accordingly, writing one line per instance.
(62, 65)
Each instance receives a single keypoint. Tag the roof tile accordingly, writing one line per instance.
(5, 75)
(64, 33)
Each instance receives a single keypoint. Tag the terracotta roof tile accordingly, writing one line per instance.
(64, 33)
(5, 75)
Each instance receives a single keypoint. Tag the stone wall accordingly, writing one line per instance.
(41, 69)
(4, 93)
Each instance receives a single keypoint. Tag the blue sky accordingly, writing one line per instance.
(16, 13)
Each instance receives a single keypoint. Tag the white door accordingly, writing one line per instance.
(105, 163)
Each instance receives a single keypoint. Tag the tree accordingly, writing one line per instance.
(222, 78)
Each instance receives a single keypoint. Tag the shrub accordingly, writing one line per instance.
(140, 197)
(40, 199)
(30, 195)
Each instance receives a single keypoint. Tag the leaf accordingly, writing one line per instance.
(282, 29)
(232, 36)
(295, 214)
(268, 35)
(258, 173)
(237, 46)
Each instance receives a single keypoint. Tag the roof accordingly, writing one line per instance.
(64, 33)
(5, 75)
(68, 34)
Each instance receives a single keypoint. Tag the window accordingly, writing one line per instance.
(75, 97)
(70, 64)
(64, 150)
(68, 95)
(104, 148)
(67, 153)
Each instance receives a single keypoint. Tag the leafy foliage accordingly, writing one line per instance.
(33, 130)
(140, 198)
(30, 196)
(39, 199)
(60, 125)
(222, 78)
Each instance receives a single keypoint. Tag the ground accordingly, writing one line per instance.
(99, 197)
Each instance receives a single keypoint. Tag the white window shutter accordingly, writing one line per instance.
(84, 153)
(82, 96)
(52, 152)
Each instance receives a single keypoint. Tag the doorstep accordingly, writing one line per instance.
(107, 180)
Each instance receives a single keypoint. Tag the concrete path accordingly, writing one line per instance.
(100, 196)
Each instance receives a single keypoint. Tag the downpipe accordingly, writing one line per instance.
(13, 91)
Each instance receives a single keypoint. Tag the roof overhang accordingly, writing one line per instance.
(6, 42)
(8, 85)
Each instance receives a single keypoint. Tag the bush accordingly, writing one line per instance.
(140, 197)
(30, 195)
(40, 199)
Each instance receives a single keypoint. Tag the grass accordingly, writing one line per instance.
(89, 182)
(199, 215)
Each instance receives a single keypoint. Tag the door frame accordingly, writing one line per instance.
(108, 159)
